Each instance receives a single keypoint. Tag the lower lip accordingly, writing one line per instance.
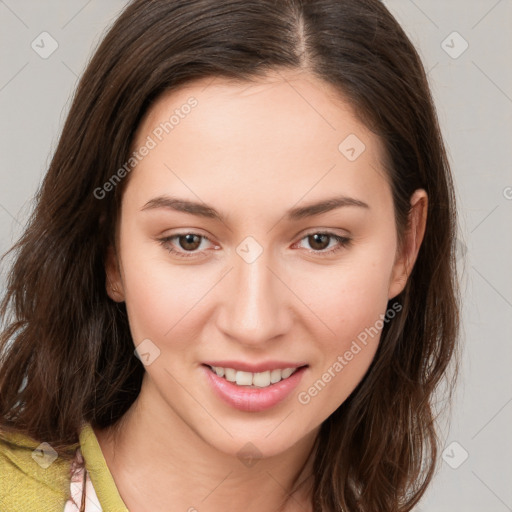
(253, 399)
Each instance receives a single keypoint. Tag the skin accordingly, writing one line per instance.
(252, 151)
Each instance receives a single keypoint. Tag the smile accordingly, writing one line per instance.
(250, 379)
(252, 391)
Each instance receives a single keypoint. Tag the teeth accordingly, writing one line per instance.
(229, 373)
(244, 378)
(275, 376)
(260, 380)
(286, 373)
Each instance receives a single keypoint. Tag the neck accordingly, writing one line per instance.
(193, 475)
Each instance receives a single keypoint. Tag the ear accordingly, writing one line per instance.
(413, 237)
(114, 283)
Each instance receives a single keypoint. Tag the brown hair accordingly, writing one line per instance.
(67, 353)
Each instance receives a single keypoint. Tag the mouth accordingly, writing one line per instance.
(255, 380)
(253, 391)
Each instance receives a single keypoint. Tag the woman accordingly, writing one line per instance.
(238, 288)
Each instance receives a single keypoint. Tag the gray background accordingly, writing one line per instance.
(473, 94)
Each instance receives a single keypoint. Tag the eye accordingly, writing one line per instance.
(319, 241)
(188, 242)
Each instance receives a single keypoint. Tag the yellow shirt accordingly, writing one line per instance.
(31, 480)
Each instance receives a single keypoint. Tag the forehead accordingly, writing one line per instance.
(287, 130)
(294, 105)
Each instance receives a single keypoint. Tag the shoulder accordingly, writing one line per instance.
(32, 477)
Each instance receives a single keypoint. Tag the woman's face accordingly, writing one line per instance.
(228, 256)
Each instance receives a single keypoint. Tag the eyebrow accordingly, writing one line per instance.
(294, 214)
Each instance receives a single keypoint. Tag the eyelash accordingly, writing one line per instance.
(343, 242)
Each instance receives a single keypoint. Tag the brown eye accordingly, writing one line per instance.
(186, 245)
(189, 242)
(319, 241)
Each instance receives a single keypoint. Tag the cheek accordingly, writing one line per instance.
(349, 304)
(349, 298)
(161, 298)
(352, 313)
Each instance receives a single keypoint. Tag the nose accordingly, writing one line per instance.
(256, 306)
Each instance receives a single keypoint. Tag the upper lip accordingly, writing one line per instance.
(255, 367)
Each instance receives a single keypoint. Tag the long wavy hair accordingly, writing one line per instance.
(67, 355)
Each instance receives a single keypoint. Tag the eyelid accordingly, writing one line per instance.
(167, 239)
(342, 240)
(325, 231)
